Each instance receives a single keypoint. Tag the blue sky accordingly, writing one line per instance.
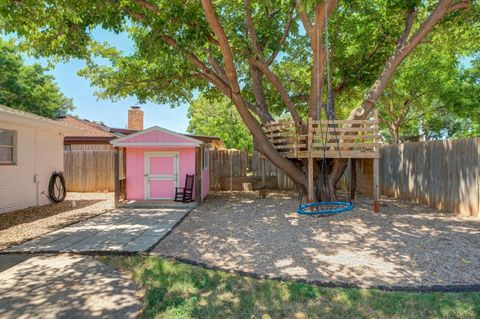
(111, 113)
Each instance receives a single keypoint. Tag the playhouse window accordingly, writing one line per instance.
(8, 147)
(205, 158)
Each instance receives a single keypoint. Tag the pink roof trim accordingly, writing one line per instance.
(156, 136)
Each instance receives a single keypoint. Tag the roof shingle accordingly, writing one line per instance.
(89, 128)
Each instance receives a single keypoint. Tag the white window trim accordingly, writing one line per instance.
(146, 156)
(14, 147)
(205, 157)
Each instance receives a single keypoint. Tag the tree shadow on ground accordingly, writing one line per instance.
(66, 287)
(31, 214)
(403, 246)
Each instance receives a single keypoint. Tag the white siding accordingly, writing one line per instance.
(39, 151)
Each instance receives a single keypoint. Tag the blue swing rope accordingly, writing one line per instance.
(336, 207)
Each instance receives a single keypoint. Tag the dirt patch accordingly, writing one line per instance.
(25, 224)
(405, 245)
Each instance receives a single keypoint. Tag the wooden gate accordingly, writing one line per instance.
(89, 170)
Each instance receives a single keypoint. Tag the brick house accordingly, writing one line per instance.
(31, 149)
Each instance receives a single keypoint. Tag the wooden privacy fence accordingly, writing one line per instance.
(89, 170)
(442, 174)
(242, 167)
(226, 163)
(283, 181)
(93, 170)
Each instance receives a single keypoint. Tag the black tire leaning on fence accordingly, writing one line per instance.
(56, 187)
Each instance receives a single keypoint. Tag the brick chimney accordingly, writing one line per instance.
(135, 118)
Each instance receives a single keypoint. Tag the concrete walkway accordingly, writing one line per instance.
(65, 286)
(121, 231)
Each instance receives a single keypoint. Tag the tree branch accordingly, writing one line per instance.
(217, 67)
(256, 74)
(264, 145)
(284, 36)
(400, 53)
(465, 4)
(212, 20)
(191, 57)
(135, 15)
(272, 78)
(260, 107)
(155, 9)
(307, 25)
(147, 5)
(218, 80)
(300, 97)
(410, 20)
(251, 30)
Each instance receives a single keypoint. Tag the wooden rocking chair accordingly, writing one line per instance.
(185, 194)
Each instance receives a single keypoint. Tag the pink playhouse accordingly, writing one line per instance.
(151, 168)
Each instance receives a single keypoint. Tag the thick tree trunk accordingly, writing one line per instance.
(395, 135)
(326, 175)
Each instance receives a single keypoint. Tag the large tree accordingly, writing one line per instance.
(266, 56)
(28, 87)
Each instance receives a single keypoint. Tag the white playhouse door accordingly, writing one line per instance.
(161, 175)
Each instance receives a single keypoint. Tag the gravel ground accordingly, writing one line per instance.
(405, 245)
(22, 225)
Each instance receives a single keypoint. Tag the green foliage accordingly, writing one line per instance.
(28, 87)
(363, 34)
(464, 99)
(176, 290)
(433, 95)
(219, 118)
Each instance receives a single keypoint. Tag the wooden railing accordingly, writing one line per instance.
(335, 139)
(284, 138)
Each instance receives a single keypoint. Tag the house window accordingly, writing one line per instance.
(205, 158)
(8, 147)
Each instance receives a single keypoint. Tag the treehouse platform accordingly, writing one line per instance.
(347, 139)
(335, 139)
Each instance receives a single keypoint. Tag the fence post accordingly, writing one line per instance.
(117, 177)
(231, 170)
(198, 173)
(263, 171)
(311, 191)
(376, 173)
(477, 213)
(353, 178)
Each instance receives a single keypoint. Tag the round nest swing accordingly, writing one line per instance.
(324, 208)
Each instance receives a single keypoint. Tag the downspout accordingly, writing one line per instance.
(35, 175)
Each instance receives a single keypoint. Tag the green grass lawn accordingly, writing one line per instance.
(176, 290)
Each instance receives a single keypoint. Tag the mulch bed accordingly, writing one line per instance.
(404, 246)
(25, 224)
